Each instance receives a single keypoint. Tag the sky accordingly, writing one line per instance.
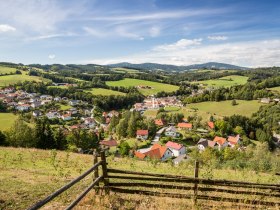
(179, 32)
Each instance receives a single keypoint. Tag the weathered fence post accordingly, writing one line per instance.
(96, 174)
(196, 181)
(105, 173)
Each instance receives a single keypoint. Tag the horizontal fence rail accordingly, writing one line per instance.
(123, 181)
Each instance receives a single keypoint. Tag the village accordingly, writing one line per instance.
(74, 115)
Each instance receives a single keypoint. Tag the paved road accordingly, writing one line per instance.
(158, 134)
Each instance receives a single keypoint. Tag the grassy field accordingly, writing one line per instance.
(218, 109)
(104, 92)
(276, 89)
(227, 81)
(28, 175)
(65, 107)
(156, 86)
(12, 79)
(61, 87)
(6, 70)
(125, 70)
(6, 120)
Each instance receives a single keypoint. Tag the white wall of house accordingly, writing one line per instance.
(168, 154)
(142, 137)
(176, 152)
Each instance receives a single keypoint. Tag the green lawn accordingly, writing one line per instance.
(156, 86)
(65, 107)
(6, 120)
(224, 108)
(276, 89)
(125, 70)
(218, 109)
(6, 70)
(12, 79)
(172, 108)
(104, 92)
(227, 81)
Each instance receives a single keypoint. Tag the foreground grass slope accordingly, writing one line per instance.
(155, 86)
(31, 174)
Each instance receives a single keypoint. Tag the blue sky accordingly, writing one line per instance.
(181, 32)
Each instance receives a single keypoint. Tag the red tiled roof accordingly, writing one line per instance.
(159, 122)
(233, 139)
(211, 125)
(142, 132)
(109, 143)
(220, 140)
(184, 125)
(139, 155)
(153, 153)
(173, 145)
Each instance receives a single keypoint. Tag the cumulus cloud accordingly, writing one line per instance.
(218, 38)
(52, 56)
(181, 44)
(258, 53)
(6, 28)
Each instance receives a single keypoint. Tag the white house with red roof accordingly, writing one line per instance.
(176, 148)
(233, 140)
(187, 126)
(222, 142)
(142, 134)
(156, 152)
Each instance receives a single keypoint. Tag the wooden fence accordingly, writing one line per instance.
(164, 185)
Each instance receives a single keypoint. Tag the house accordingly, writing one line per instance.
(179, 159)
(73, 111)
(222, 142)
(172, 132)
(113, 113)
(36, 113)
(46, 97)
(90, 122)
(142, 134)
(44, 102)
(36, 104)
(211, 125)
(66, 117)
(159, 152)
(52, 115)
(202, 144)
(139, 155)
(106, 144)
(265, 100)
(177, 149)
(184, 125)
(233, 140)
(159, 122)
(23, 107)
(57, 98)
(74, 102)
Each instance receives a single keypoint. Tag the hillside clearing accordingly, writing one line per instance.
(218, 109)
(155, 86)
(13, 79)
(227, 81)
(7, 70)
(6, 120)
(104, 92)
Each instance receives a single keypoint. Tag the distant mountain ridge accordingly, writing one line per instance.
(167, 67)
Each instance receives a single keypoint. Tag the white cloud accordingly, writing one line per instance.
(154, 31)
(94, 32)
(123, 32)
(50, 36)
(6, 28)
(51, 56)
(258, 53)
(218, 38)
(181, 44)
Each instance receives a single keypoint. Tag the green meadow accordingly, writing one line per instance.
(12, 79)
(155, 86)
(126, 70)
(227, 81)
(275, 89)
(6, 120)
(6, 70)
(104, 92)
(217, 109)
